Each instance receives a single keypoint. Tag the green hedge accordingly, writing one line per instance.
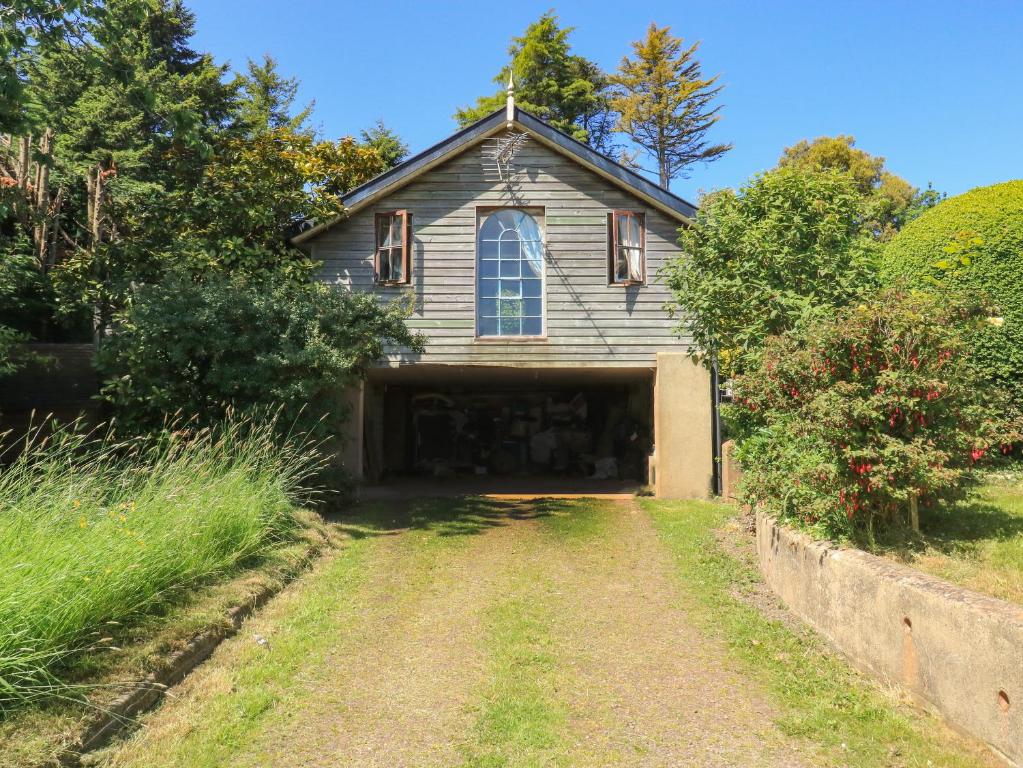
(995, 214)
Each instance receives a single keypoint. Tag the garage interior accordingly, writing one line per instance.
(495, 424)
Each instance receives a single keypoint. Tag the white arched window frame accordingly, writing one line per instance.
(509, 274)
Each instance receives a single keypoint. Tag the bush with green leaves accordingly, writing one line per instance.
(847, 419)
(974, 243)
(194, 350)
(757, 261)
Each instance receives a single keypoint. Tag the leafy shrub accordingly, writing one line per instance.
(94, 532)
(849, 418)
(200, 349)
(987, 223)
(788, 244)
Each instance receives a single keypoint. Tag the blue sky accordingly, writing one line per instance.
(934, 86)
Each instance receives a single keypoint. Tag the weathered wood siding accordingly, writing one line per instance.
(587, 320)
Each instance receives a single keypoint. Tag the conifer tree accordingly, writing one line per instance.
(559, 87)
(665, 105)
(266, 99)
(133, 110)
(387, 143)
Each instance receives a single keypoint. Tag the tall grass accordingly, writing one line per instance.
(95, 532)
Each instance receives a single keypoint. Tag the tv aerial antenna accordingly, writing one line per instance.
(499, 152)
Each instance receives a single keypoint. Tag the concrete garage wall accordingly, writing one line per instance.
(683, 461)
(957, 650)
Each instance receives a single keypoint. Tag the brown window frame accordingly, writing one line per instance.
(405, 247)
(613, 247)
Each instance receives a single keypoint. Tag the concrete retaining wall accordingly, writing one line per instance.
(958, 651)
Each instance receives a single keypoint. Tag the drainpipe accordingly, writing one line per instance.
(715, 429)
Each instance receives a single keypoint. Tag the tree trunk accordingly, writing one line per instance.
(51, 254)
(23, 155)
(662, 159)
(94, 185)
(43, 209)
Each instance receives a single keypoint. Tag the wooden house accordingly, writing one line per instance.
(534, 265)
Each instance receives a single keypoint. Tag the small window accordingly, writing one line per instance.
(393, 254)
(626, 245)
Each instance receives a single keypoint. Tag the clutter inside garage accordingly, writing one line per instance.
(596, 432)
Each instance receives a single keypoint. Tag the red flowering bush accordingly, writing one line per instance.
(848, 419)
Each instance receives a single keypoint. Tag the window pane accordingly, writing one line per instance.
(628, 231)
(532, 326)
(510, 326)
(511, 289)
(511, 249)
(488, 288)
(532, 288)
(384, 231)
(488, 326)
(488, 249)
(621, 265)
(488, 268)
(397, 231)
(397, 265)
(635, 264)
(526, 226)
(385, 265)
(531, 268)
(509, 268)
(488, 307)
(532, 307)
(511, 308)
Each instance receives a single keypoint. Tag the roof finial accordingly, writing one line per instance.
(510, 101)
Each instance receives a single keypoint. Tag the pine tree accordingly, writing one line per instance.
(133, 110)
(560, 88)
(387, 143)
(664, 103)
(266, 99)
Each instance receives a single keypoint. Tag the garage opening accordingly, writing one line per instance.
(513, 423)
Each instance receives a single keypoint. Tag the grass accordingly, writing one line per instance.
(265, 684)
(253, 706)
(976, 543)
(96, 534)
(255, 695)
(38, 735)
(820, 697)
(522, 720)
(329, 632)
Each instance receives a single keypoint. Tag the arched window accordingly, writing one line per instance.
(509, 275)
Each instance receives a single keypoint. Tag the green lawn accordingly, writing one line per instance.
(977, 543)
(518, 635)
(821, 698)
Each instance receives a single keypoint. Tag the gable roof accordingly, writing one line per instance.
(391, 180)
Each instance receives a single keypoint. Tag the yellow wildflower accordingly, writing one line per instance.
(76, 503)
(82, 522)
